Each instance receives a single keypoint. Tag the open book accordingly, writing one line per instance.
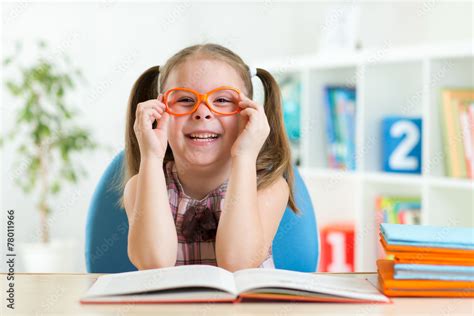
(205, 283)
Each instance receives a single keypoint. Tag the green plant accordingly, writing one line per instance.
(45, 127)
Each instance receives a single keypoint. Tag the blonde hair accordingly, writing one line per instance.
(274, 159)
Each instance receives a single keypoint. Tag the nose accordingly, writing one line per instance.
(202, 112)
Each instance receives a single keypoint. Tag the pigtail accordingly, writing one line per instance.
(144, 88)
(274, 159)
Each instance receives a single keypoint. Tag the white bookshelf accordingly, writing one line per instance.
(401, 81)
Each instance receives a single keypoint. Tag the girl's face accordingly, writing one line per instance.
(192, 137)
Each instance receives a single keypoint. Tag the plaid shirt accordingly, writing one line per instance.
(196, 221)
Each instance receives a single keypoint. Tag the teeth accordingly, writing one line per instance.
(203, 135)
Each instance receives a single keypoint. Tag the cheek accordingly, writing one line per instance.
(231, 125)
(175, 128)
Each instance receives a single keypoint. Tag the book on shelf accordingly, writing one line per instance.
(340, 109)
(457, 111)
(396, 210)
(467, 131)
(471, 129)
(291, 101)
(205, 283)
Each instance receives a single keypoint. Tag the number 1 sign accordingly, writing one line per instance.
(337, 248)
(401, 144)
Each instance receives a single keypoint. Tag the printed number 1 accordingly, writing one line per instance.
(399, 158)
(338, 262)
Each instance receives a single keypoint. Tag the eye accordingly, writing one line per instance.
(222, 100)
(185, 100)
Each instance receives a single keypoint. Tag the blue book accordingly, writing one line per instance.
(428, 236)
(340, 126)
(433, 272)
(330, 128)
(350, 128)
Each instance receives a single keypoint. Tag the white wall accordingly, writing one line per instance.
(113, 43)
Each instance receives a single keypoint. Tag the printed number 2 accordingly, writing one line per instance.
(338, 262)
(399, 158)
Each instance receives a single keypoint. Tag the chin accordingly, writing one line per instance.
(201, 159)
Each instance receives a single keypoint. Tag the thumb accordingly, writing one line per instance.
(163, 122)
(244, 118)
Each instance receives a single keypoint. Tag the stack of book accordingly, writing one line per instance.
(458, 131)
(340, 108)
(428, 261)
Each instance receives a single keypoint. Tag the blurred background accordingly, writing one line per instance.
(366, 64)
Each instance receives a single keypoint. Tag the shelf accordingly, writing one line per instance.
(328, 173)
(402, 81)
(445, 182)
(393, 178)
(445, 72)
(387, 178)
(381, 55)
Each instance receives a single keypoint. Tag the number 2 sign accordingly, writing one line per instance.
(401, 144)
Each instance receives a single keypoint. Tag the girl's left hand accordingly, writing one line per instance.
(253, 129)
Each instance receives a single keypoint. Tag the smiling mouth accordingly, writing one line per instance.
(203, 137)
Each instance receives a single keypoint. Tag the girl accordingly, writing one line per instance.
(210, 183)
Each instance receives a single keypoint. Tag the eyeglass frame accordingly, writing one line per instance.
(201, 97)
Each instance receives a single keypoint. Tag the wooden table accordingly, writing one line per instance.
(42, 294)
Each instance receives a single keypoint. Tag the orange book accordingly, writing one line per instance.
(420, 288)
(426, 250)
(429, 258)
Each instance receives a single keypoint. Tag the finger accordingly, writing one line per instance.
(148, 116)
(249, 104)
(158, 107)
(154, 114)
(243, 97)
(163, 122)
(150, 103)
(147, 103)
(160, 97)
(161, 101)
(250, 113)
(149, 112)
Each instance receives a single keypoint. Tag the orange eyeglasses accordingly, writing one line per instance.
(183, 101)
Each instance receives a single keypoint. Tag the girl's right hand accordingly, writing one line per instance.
(152, 142)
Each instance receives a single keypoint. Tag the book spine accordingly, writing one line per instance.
(458, 140)
(466, 137)
(350, 123)
(446, 128)
(330, 137)
(336, 106)
(455, 159)
(379, 219)
(341, 110)
(471, 132)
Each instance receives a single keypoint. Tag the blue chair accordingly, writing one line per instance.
(295, 246)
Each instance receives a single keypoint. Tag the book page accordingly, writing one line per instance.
(350, 287)
(163, 279)
(184, 295)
